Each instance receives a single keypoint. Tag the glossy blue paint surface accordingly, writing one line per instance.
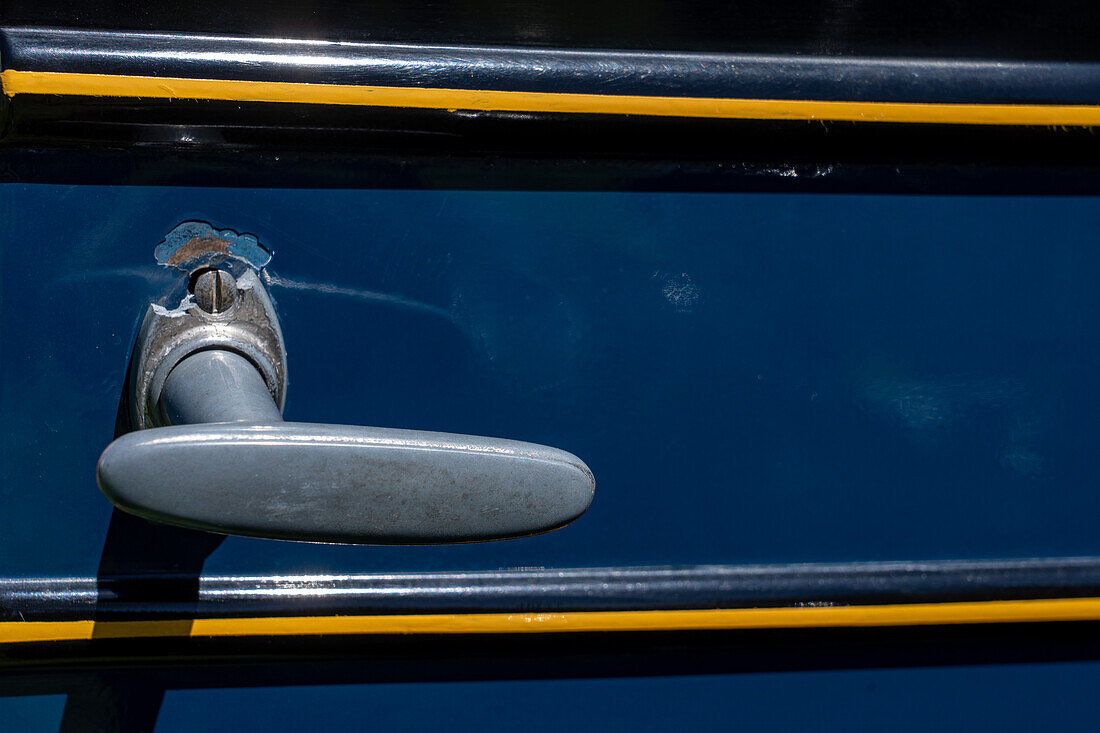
(32, 713)
(1001, 698)
(751, 377)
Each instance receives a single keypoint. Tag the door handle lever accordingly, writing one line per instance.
(218, 457)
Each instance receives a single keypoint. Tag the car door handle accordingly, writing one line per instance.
(223, 460)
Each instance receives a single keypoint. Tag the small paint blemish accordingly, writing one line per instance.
(681, 292)
(1020, 453)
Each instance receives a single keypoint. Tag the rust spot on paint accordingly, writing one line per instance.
(198, 246)
(196, 243)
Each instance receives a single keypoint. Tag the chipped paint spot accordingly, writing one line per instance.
(196, 243)
(248, 281)
(198, 247)
(179, 311)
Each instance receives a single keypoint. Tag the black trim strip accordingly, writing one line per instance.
(58, 668)
(595, 589)
(823, 78)
(1026, 162)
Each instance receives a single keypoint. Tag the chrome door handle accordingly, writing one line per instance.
(217, 455)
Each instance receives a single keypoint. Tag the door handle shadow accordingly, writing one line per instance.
(141, 564)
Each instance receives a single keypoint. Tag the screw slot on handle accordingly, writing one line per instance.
(215, 290)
